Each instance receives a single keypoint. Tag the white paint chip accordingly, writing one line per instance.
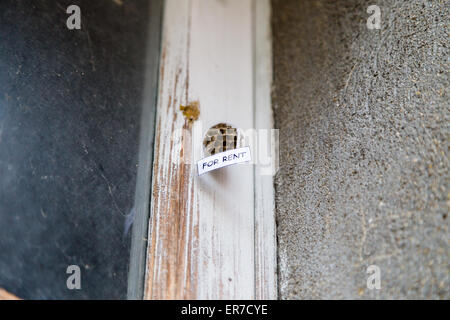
(223, 159)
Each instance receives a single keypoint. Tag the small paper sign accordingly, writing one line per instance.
(223, 159)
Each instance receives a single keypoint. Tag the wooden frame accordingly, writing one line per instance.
(211, 237)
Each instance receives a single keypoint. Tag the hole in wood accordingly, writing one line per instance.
(220, 138)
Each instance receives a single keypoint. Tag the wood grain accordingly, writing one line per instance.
(202, 229)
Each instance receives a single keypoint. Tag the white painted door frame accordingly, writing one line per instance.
(213, 236)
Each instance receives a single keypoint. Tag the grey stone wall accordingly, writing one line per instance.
(363, 118)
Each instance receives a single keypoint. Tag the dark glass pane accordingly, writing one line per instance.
(70, 108)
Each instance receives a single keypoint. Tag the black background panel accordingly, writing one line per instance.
(70, 107)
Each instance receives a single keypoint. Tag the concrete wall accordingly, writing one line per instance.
(363, 119)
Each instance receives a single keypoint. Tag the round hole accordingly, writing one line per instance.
(220, 138)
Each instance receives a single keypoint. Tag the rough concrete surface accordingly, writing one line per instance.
(363, 118)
